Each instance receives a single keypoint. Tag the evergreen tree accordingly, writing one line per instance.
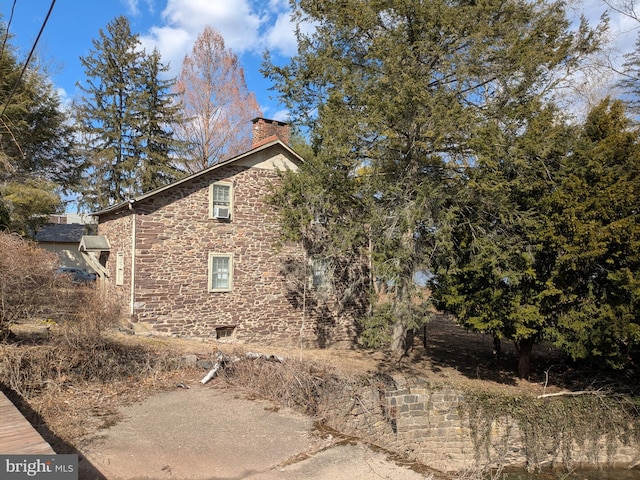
(36, 137)
(124, 115)
(397, 93)
(630, 80)
(159, 147)
(594, 213)
(495, 274)
(30, 203)
(37, 158)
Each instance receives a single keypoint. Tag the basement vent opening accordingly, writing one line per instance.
(225, 332)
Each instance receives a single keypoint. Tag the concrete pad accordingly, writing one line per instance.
(348, 462)
(211, 433)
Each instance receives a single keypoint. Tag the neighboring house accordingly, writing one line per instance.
(199, 258)
(64, 240)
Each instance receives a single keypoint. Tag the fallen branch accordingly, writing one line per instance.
(212, 373)
(570, 394)
(223, 360)
(255, 356)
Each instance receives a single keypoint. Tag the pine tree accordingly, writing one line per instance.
(398, 91)
(37, 159)
(630, 80)
(36, 137)
(495, 275)
(159, 147)
(594, 214)
(124, 115)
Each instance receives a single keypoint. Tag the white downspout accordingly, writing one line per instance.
(133, 260)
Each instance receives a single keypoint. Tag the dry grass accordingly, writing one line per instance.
(68, 389)
(27, 280)
(293, 383)
(71, 379)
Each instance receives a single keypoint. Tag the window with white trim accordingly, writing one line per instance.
(220, 272)
(221, 200)
(120, 268)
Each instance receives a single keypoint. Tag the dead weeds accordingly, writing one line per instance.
(69, 390)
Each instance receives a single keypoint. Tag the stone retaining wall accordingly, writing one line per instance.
(413, 418)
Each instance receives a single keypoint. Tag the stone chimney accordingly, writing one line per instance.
(265, 130)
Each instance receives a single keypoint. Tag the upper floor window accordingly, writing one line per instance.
(221, 200)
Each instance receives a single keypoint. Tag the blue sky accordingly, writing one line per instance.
(248, 27)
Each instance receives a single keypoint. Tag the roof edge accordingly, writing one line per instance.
(268, 144)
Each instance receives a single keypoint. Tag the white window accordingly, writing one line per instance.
(319, 272)
(120, 268)
(221, 200)
(220, 272)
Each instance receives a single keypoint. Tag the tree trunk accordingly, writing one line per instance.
(524, 348)
(497, 350)
(399, 336)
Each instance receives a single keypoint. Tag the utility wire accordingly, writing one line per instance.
(24, 68)
(6, 33)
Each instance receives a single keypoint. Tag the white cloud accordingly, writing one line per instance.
(281, 116)
(172, 43)
(133, 6)
(236, 22)
(247, 26)
(278, 5)
(281, 37)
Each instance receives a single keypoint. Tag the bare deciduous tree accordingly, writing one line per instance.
(216, 103)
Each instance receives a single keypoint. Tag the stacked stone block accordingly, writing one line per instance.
(415, 419)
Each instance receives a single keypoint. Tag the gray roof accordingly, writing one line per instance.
(61, 233)
(94, 243)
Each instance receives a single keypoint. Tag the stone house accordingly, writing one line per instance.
(199, 257)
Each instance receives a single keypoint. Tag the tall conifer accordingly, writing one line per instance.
(394, 97)
(124, 115)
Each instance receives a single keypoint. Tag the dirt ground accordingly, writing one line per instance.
(450, 355)
(154, 429)
(210, 431)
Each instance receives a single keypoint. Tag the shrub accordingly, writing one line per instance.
(27, 280)
(29, 287)
(89, 315)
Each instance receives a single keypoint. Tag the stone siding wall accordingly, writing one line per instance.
(412, 418)
(117, 227)
(174, 237)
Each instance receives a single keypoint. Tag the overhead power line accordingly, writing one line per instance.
(24, 67)
(6, 33)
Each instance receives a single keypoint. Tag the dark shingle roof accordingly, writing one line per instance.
(61, 233)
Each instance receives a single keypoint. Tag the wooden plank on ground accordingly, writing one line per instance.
(17, 435)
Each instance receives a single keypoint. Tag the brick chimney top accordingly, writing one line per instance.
(265, 130)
